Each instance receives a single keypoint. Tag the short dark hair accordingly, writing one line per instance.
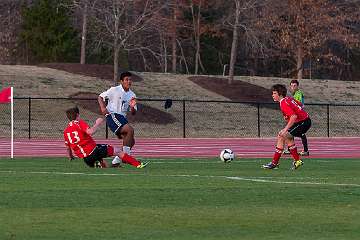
(280, 88)
(295, 81)
(125, 74)
(72, 113)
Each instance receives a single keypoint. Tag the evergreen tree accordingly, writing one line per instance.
(47, 32)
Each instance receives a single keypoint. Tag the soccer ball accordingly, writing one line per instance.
(227, 155)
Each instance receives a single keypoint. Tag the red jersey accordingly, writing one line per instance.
(78, 140)
(290, 106)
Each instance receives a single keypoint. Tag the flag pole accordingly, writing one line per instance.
(12, 122)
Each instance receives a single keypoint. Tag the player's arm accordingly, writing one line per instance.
(291, 122)
(94, 128)
(102, 105)
(70, 153)
(133, 107)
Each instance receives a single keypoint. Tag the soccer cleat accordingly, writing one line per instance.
(98, 164)
(142, 164)
(303, 153)
(116, 165)
(271, 166)
(297, 164)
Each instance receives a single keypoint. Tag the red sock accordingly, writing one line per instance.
(294, 152)
(277, 155)
(130, 160)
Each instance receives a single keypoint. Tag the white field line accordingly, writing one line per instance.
(248, 179)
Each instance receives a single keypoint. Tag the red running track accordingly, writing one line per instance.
(191, 147)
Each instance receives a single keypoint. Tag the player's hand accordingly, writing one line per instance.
(283, 132)
(71, 158)
(132, 102)
(99, 121)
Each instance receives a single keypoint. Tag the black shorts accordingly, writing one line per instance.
(101, 151)
(300, 128)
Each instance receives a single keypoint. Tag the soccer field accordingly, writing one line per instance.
(51, 198)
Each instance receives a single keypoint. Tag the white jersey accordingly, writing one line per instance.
(118, 100)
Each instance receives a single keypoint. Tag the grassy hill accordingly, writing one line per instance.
(48, 81)
(202, 119)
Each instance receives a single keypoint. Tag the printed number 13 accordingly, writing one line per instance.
(75, 138)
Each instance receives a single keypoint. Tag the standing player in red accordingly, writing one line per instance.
(77, 136)
(298, 123)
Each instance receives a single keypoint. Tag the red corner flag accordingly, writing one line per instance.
(5, 95)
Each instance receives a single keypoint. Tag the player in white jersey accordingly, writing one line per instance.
(121, 100)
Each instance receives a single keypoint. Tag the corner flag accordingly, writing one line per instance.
(6, 96)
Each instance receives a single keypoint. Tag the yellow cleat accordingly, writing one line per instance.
(143, 164)
(297, 164)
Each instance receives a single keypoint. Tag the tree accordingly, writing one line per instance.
(234, 41)
(242, 19)
(48, 33)
(85, 9)
(300, 27)
(120, 21)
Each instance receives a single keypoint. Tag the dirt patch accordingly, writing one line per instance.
(237, 91)
(105, 72)
(146, 113)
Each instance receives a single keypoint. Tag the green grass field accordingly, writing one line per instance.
(51, 198)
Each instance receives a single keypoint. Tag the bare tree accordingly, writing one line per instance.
(85, 8)
(84, 34)
(10, 22)
(242, 20)
(195, 9)
(174, 35)
(234, 41)
(299, 27)
(120, 21)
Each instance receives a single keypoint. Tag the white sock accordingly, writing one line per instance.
(116, 160)
(126, 149)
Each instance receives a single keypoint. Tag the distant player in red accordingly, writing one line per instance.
(78, 140)
(298, 123)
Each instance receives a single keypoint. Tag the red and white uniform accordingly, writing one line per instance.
(78, 140)
(290, 106)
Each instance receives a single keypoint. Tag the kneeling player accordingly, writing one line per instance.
(77, 136)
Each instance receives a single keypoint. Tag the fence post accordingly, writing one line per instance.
(29, 117)
(328, 119)
(184, 132)
(106, 130)
(258, 117)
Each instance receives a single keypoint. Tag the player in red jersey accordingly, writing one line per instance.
(298, 123)
(77, 136)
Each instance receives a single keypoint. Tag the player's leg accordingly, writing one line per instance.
(297, 130)
(95, 159)
(127, 134)
(289, 139)
(127, 146)
(304, 141)
(277, 154)
(126, 158)
(117, 123)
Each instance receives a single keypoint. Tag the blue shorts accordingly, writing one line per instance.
(115, 121)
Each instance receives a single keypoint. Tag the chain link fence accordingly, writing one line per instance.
(46, 118)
